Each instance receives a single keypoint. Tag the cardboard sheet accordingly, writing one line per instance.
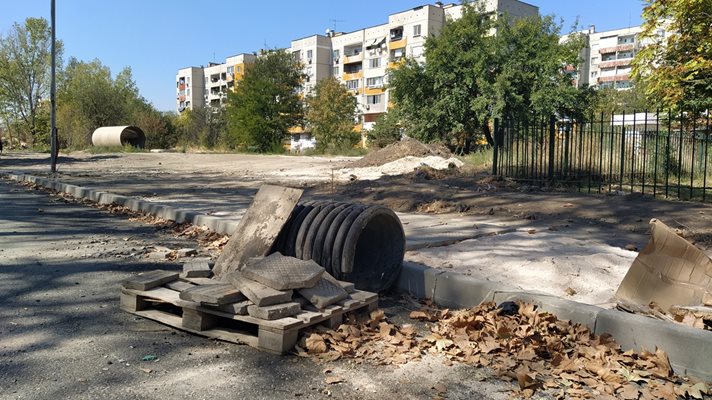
(669, 271)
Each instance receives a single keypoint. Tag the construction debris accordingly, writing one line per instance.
(670, 271)
(212, 294)
(258, 228)
(282, 273)
(196, 269)
(258, 293)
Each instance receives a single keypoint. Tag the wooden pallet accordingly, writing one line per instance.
(164, 305)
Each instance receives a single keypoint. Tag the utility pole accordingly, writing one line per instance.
(53, 100)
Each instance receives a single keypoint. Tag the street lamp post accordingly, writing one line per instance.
(52, 96)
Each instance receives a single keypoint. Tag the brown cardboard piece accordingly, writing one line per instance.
(258, 229)
(669, 271)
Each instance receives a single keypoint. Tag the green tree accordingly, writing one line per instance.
(387, 129)
(266, 103)
(331, 114)
(676, 63)
(472, 76)
(88, 97)
(202, 126)
(25, 61)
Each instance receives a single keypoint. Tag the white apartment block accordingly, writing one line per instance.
(607, 59)
(201, 86)
(361, 59)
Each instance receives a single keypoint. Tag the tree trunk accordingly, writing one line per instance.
(488, 133)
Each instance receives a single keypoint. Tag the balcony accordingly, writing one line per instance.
(375, 108)
(353, 58)
(375, 90)
(396, 63)
(351, 76)
(613, 78)
(398, 44)
(615, 63)
(620, 47)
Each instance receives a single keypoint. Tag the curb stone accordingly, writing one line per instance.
(217, 224)
(688, 349)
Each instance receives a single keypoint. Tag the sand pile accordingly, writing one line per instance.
(405, 148)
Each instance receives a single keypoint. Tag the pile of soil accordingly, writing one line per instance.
(398, 150)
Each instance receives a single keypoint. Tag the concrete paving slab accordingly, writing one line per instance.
(150, 280)
(281, 272)
(196, 269)
(212, 294)
(261, 295)
(324, 293)
(276, 311)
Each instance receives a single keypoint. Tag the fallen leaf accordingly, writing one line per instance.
(570, 291)
(316, 344)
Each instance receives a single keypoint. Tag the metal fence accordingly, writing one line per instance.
(659, 153)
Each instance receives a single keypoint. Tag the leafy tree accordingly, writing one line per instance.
(202, 126)
(266, 103)
(25, 59)
(609, 100)
(88, 98)
(677, 68)
(387, 129)
(331, 113)
(472, 76)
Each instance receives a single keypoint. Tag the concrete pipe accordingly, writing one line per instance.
(361, 244)
(114, 136)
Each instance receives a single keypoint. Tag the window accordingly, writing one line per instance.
(594, 74)
(230, 70)
(239, 70)
(374, 62)
(187, 81)
(594, 60)
(187, 92)
(297, 54)
(374, 82)
(416, 30)
(376, 99)
(352, 84)
(336, 71)
(187, 104)
(310, 53)
(336, 54)
(417, 51)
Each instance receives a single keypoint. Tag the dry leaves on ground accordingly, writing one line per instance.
(532, 348)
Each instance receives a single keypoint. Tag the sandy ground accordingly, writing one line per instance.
(577, 250)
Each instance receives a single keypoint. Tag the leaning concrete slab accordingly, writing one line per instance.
(258, 228)
(688, 348)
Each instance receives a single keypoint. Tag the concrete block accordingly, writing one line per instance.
(324, 293)
(273, 312)
(462, 291)
(212, 294)
(416, 280)
(688, 348)
(196, 269)
(239, 308)
(258, 293)
(150, 280)
(581, 313)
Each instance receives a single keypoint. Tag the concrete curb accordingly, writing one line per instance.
(217, 224)
(687, 348)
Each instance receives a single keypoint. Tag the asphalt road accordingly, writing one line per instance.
(62, 335)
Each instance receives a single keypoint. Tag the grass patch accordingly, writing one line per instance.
(480, 159)
(114, 149)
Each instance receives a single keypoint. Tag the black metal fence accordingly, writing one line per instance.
(658, 153)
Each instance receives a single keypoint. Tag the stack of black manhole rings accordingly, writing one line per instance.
(353, 242)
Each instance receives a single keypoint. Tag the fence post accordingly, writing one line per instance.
(552, 146)
(495, 150)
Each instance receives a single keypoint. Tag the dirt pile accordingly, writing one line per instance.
(404, 148)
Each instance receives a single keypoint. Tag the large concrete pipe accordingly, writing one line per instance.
(361, 244)
(113, 136)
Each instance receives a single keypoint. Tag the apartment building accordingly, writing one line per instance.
(201, 86)
(361, 59)
(189, 88)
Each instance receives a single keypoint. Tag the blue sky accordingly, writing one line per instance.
(157, 37)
